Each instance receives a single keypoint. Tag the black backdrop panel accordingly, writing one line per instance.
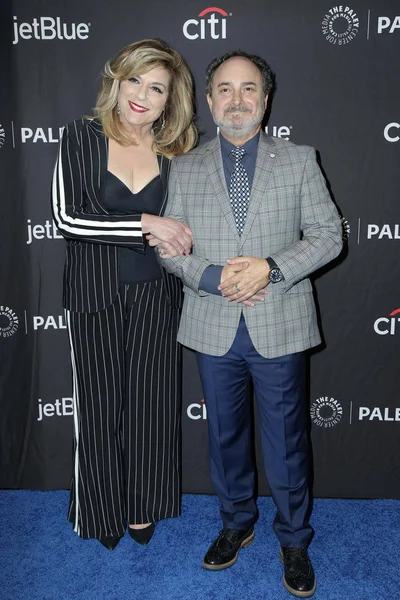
(338, 90)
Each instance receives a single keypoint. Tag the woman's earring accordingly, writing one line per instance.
(163, 122)
(118, 109)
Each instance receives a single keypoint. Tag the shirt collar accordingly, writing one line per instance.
(250, 146)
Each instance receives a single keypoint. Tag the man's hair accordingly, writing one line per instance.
(267, 76)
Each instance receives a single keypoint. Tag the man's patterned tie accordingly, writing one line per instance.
(239, 189)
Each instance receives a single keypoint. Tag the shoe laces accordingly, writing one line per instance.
(296, 552)
(229, 534)
(295, 558)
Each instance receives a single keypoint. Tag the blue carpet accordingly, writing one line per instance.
(355, 552)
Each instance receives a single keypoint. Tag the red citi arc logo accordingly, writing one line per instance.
(385, 325)
(213, 27)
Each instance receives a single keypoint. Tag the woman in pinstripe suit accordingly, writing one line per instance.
(109, 191)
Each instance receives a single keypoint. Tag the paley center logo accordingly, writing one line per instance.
(388, 25)
(49, 322)
(346, 229)
(391, 133)
(46, 135)
(387, 230)
(388, 325)
(326, 412)
(377, 413)
(8, 322)
(49, 28)
(2, 135)
(213, 27)
(340, 25)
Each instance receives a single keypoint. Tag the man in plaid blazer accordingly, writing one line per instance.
(248, 309)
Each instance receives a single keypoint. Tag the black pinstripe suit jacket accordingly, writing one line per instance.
(93, 235)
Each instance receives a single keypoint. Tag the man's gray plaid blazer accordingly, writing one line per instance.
(290, 218)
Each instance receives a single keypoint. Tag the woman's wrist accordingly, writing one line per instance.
(148, 222)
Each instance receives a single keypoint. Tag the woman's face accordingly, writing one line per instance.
(142, 98)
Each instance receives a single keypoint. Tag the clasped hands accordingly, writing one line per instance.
(245, 279)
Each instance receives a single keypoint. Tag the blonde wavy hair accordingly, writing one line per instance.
(179, 135)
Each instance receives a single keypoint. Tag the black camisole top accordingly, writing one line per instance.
(118, 198)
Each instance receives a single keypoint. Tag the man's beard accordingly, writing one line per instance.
(238, 128)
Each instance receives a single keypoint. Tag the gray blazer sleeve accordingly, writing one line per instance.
(188, 268)
(321, 228)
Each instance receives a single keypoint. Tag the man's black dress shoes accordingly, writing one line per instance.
(224, 551)
(299, 578)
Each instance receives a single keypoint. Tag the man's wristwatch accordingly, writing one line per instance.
(275, 274)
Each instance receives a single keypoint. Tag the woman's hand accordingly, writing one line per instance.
(175, 233)
(164, 249)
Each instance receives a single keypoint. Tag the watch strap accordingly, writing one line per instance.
(272, 263)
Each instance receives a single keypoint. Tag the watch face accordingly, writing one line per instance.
(275, 275)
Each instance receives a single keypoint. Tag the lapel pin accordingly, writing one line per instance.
(272, 155)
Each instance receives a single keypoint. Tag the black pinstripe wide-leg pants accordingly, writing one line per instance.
(126, 374)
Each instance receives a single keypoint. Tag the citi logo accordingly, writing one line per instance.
(197, 411)
(388, 325)
(391, 133)
(47, 28)
(213, 27)
(387, 25)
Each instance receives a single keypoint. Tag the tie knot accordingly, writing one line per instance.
(238, 152)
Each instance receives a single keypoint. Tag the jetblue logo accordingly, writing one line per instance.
(62, 407)
(49, 28)
(40, 232)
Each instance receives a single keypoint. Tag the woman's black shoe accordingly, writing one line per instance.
(110, 542)
(142, 536)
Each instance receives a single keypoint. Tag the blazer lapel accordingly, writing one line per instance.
(164, 164)
(216, 173)
(98, 143)
(266, 158)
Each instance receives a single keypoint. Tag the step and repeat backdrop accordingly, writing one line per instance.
(338, 89)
